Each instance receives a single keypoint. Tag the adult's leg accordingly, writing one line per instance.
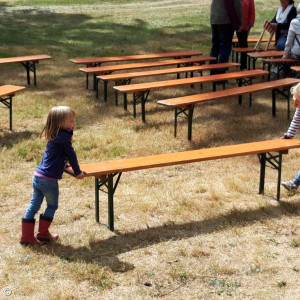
(226, 32)
(281, 43)
(243, 43)
(215, 40)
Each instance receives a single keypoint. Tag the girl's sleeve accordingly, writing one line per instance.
(72, 157)
(295, 124)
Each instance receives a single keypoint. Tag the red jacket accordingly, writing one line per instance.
(248, 10)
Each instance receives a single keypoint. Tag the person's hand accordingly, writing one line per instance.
(81, 175)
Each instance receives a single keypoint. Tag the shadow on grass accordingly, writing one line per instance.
(9, 138)
(105, 252)
(82, 35)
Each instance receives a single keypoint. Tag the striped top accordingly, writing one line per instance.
(295, 124)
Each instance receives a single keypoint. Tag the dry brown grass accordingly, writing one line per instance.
(198, 231)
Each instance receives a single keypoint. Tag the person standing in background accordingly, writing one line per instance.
(225, 18)
(248, 11)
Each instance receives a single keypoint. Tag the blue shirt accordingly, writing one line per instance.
(56, 155)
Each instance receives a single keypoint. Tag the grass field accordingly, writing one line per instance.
(197, 231)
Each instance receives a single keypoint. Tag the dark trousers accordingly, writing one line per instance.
(222, 35)
(243, 43)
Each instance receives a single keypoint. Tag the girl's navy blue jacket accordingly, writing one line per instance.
(57, 153)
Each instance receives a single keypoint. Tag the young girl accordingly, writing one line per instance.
(295, 124)
(58, 132)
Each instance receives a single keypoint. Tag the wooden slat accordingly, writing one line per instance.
(113, 68)
(281, 60)
(9, 90)
(250, 49)
(20, 59)
(253, 40)
(221, 94)
(94, 60)
(265, 54)
(161, 160)
(295, 68)
(132, 88)
(127, 75)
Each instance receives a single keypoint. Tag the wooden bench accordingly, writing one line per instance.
(185, 105)
(28, 62)
(283, 64)
(296, 69)
(253, 56)
(235, 41)
(238, 50)
(108, 173)
(154, 64)
(141, 91)
(7, 92)
(125, 78)
(97, 61)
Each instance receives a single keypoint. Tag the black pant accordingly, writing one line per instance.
(243, 43)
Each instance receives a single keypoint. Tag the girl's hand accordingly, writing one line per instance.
(81, 175)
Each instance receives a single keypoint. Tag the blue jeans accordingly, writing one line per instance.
(281, 43)
(43, 188)
(222, 35)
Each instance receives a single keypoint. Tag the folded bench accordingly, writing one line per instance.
(185, 105)
(105, 172)
(141, 91)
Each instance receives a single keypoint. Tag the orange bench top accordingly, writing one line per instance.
(10, 90)
(281, 60)
(20, 59)
(113, 68)
(254, 40)
(93, 60)
(265, 54)
(251, 49)
(121, 76)
(132, 88)
(221, 94)
(296, 68)
(138, 163)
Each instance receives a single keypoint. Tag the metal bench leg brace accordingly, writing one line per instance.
(8, 103)
(275, 162)
(286, 94)
(189, 116)
(30, 66)
(108, 182)
(122, 82)
(143, 96)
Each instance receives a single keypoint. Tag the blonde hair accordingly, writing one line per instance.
(56, 118)
(295, 91)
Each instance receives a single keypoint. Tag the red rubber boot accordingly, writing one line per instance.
(43, 234)
(28, 237)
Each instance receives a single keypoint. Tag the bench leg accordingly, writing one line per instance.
(107, 182)
(275, 162)
(189, 116)
(30, 66)
(286, 94)
(8, 103)
(143, 97)
(190, 121)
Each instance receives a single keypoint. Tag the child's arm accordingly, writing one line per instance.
(81, 175)
(295, 124)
